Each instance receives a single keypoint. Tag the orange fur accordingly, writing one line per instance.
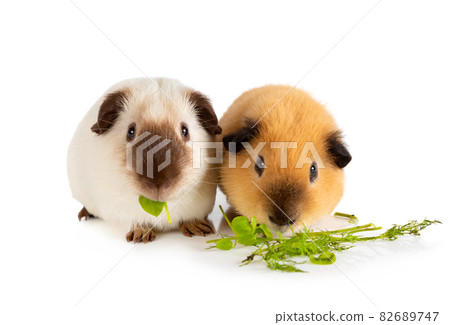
(296, 118)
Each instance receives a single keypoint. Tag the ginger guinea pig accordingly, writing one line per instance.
(137, 141)
(283, 159)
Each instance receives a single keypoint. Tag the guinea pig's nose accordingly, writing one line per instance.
(281, 219)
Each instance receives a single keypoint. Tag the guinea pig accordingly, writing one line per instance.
(137, 141)
(283, 158)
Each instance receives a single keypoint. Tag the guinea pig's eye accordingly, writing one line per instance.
(260, 165)
(313, 172)
(185, 132)
(131, 132)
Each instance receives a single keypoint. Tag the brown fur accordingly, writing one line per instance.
(205, 112)
(110, 110)
(297, 118)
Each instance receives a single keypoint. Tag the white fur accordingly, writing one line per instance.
(98, 177)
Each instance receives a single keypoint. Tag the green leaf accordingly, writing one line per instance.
(247, 240)
(325, 258)
(241, 226)
(152, 207)
(261, 240)
(266, 231)
(254, 224)
(224, 244)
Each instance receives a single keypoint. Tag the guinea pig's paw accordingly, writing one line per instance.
(84, 214)
(141, 233)
(197, 227)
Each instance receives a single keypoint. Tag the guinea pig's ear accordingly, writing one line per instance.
(110, 109)
(244, 134)
(205, 112)
(337, 149)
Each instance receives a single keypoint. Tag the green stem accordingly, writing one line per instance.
(369, 227)
(216, 240)
(352, 217)
(226, 218)
(370, 238)
(167, 212)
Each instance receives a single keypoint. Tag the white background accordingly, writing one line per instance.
(386, 80)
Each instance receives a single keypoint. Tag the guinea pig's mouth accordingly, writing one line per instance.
(157, 192)
(281, 222)
(156, 197)
(287, 229)
(151, 201)
(284, 230)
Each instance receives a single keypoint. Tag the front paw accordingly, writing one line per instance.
(196, 227)
(141, 234)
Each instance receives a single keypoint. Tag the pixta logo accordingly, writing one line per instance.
(141, 154)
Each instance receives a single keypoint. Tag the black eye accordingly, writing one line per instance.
(131, 132)
(185, 131)
(260, 165)
(313, 172)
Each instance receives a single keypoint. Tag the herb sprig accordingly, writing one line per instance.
(278, 252)
(154, 207)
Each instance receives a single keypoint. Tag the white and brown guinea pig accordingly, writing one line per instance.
(297, 176)
(165, 115)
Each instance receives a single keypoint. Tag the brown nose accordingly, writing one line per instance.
(158, 159)
(285, 198)
(161, 164)
(281, 219)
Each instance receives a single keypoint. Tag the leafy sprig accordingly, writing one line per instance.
(154, 207)
(278, 252)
